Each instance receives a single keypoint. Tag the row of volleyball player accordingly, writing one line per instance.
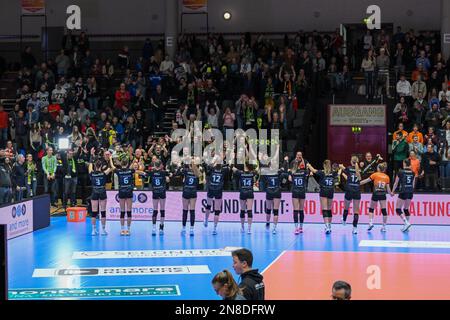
(297, 172)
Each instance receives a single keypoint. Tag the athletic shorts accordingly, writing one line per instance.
(214, 194)
(246, 195)
(352, 195)
(378, 197)
(298, 195)
(326, 194)
(125, 194)
(406, 196)
(98, 195)
(158, 194)
(189, 194)
(273, 195)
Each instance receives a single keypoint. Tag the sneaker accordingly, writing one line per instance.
(370, 227)
(274, 231)
(214, 232)
(123, 232)
(242, 230)
(104, 233)
(183, 231)
(297, 231)
(249, 231)
(406, 227)
(94, 232)
(127, 232)
(205, 223)
(355, 231)
(267, 227)
(161, 232)
(327, 230)
(344, 222)
(154, 231)
(300, 229)
(191, 232)
(383, 229)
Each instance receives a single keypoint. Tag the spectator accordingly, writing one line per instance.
(403, 87)
(62, 63)
(28, 59)
(417, 147)
(399, 60)
(252, 283)
(70, 173)
(430, 166)
(167, 66)
(4, 125)
(401, 113)
(31, 174)
(122, 96)
(415, 133)
(420, 109)
(444, 92)
(212, 115)
(225, 286)
(400, 151)
(341, 291)
(18, 178)
(444, 152)
(415, 163)
(418, 88)
(400, 129)
(382, 63)
(434, 117)
(123, 58)
(5, 180)
(368, 67)
(423, 60)
(21, 131)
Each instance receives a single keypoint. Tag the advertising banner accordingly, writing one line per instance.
(431, 209)
(31, 7)
(18, 218)
(357, 115)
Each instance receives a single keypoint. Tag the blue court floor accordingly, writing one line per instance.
(54, 246)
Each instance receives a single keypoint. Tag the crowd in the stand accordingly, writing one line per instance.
(117, 107)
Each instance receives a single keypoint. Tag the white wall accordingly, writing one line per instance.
(147, 16)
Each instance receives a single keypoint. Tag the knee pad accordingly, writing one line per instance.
(94, 214)
(268, 211)
(208, 207)
(122, 214)
(103, 214)
(163, 213)
(275, 212)
(384, 212)
(371, 210)
(155, 213)
(406, 211)
(217, 212)
(398, 211)
(250, 214)
(242, 215)
(128, 214)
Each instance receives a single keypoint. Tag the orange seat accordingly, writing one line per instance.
(76, 214)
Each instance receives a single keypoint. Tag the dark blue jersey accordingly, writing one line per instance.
(353, 181)
(299, 181)
(126, 178)
(326, 181)
(190, 181)
(406, 181)
(98, 181)
(158, 180)
(246, 181)
(216, 179)
(272, 182)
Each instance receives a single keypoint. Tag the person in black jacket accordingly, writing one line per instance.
(430, 165)
(70, 178)
(19, 178)
(252, 284)
(5, 180)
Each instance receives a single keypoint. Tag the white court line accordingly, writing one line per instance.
(405, 244)
(279, 256)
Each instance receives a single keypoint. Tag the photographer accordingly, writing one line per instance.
(18, 177)
(5, 180)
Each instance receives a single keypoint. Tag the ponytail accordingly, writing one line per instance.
(226, 278)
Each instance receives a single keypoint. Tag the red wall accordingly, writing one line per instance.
(342, 142)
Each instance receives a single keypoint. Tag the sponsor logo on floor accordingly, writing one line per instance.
(94, 292)
(121, 271)
(151, 254)
(405, 244)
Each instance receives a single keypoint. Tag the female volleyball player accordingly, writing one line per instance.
(191, 175)
(326, 179)
(352, 175)
(125, 177)
(406, 180)
(272, 185)
(98, 198)
(299, 178)
(214, 186)
(246, 180)
(380, 188)
(158, 180)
